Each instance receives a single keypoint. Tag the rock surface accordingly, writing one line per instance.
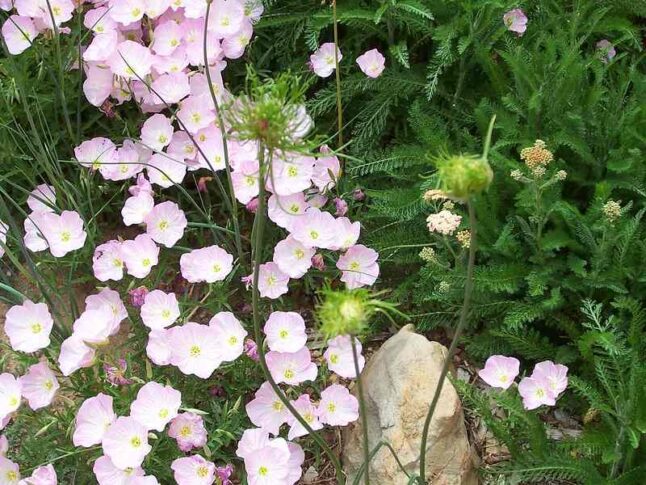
(399, 382)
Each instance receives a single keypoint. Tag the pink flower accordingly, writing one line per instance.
(127, 12)
(93, 418)
(290, 175)
(292, 257)
(116, 374)
(168, 36)
(157, 131)
(251, 350)
(166, 223)
(160, 310)
(287, 211)
(74, 355)
(285, 332)
(95, 153)
(252, 440)
(315, 229)
(158, 348)
(359, 266)
(292, 367)
(195, 113)
(193, 470)
(535, 392)
(138, 296)
(42, 198)
(195, 349)
(101, 47)
(94, 326)
(131, 61)
(155, 405)
(554, 374)
(606, 49)
(347, 233)
(142, 186)
(39, 385)
(107, 262)
(500, 371)
(34, 238)
(341, 207)
(267, 411)
(126, 443)
(245, 181)
(272, 282)
(189, 431)
(98, 84)
(327, 170)
(340, 358)
(129, 158)
(99, 21)
(226, 18)
(10, 392)
(140, 255)
(108, 474)
(372, 63)
(307, 411)
(43, 475)
(208, 264)
(135, 209)
(337, 407)
(323, 62)
(269, 465)
(18, 33)
(358, 195)
(28, 326)
(223, 474)
(444, 222)
(64, 232)
(9, 471)
(111, 300)
(171, 88)
(318, 262)
(230, 334)
(515, 21)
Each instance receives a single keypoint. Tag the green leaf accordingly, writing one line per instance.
(400, 52)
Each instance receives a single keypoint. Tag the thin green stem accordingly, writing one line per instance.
(372, 454)
(468, 290)
(339, 105)
(362, 411)
(256, 256)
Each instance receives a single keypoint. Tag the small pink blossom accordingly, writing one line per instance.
(165, 171)
(516, 21)
(315, 229)
(156, 405)
(307, 411)
(267, 411)
(209, 264)
(554, 374)
(10, 393)
(292, 367)
(64, 233)
(230, 334)
(97, 153)
(245, 179)
(9, 471)
(92, 420)
(107, 262)
(195, 349)
(226, 18)
(18, 33)
(39, 385)
(326, 172)
(193, 470)
(160, 310)
(138, 296)
(272, 282)
(157, 132)
(107, 473)
(195, 113)
(323, 62)
(140, 255)
(28, 326)
(269, 465)
(358, 195)
(292, 257)
(287, 211)
(340, 358)
(290, 175)
(74, 355)
(43, 475)
(359, 266)
(111, 300)
(165, 223)
(189, 431)
(337, 407)
(347, 233)
(125, 442)
(500, 371)
(372, 63)
(136, 208)
(42, 198)
(158, 348)
(94, 326)
(341, 207)
(131, 60)
(535, 393)
(285, 332)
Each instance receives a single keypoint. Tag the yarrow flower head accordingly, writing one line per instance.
(536, 156)
(612, 210)
(444, 222)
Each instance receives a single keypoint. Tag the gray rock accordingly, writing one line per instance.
(399, 382)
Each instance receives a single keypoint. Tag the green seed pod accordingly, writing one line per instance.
(462, 176)
(343, 312)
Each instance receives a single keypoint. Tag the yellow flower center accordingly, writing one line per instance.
(225, 21)
(48, 385)
(163, 225)
(162, 139)
(354, 266)
(202, 471)
(196, 117)
(36, 328)
(309, 417)
(289, 374)
(233, 340)
(146, 262)
(292, 171)
(283, 334)
(185, 432)
(314, 234)
(135, 441)
(217, 268)
(12, 476)
(66, 236)
(294, 208)
(13, 401)
(331, 407)
(174, 42)
(262, 471)
(277, 406)
(540, 393)
(57, 10)
(334, 358)
(163, 413)
(271, 280)
(165, 313)
(250, 180)
(123, 168)
(136, 12)
(195, 351)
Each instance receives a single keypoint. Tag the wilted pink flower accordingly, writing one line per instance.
(207, 264)
(272, 282)
(155, 405)
(223, 474)
(165, 223)
(359, 266)
(444, 222)
(42, 198)
(160, 310)
(39, 385)
(158, 348)
(28, 326)
(358, 195)
(307, 411)
(140, 255)
(74, 355)
(515, 21)
(230, 335)
(116, 374)
(318, 262)
(10, 392)
(251, 350)
(18, 33)
(292, 367)
(266, 410)
(323, 62)
(107, 262)
(606, 50)
(252, 205)
(554, 374)
(92, 420)
(341, 207)
(189, 431)
(64, 232)
(138, 296)
(43, 475)
(285, 332)
(500, 371)
(193, 470)
(287, 211)
(125, 442)
(326, 171)
(337, 407)
(292, 257)
(108, 474)
(195, 349)
(142, 186)
(339, 356)
(372, 63)
(535, 392)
